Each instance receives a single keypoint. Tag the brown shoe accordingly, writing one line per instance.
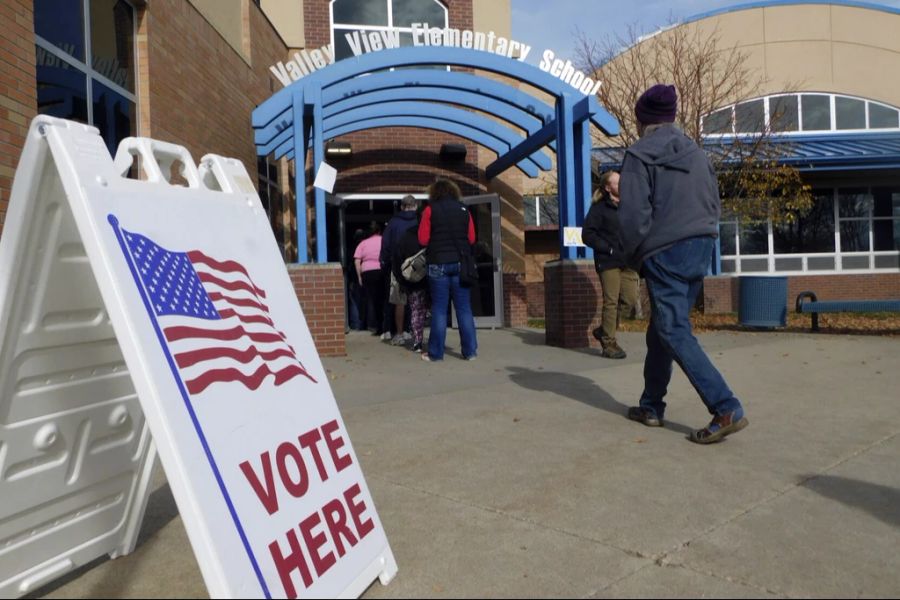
(613, 351)
(718, 428)
(642, 415)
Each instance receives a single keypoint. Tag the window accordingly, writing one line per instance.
(268, 183)
(85, 61)
(541, 211)
(816, 110)
(367, 17)
(847, 229)
(792, 113)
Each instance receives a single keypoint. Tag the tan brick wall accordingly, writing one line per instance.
(18, 93)
(196, 90)
(320, 290)
(515, 300)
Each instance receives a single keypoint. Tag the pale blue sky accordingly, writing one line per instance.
(552, 23)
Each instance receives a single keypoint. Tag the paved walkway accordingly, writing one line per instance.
(518, 476)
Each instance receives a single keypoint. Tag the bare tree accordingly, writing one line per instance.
(708, 77)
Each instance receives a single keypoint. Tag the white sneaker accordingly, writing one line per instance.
(398, 340)
(386, 336)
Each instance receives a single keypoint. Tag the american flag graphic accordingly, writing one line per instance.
(214, 318)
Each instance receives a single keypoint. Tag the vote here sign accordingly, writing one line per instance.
(247, 428)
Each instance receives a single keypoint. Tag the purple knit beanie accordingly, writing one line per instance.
(657, 105)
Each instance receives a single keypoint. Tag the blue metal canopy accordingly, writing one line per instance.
(358, 93)
(806, 153)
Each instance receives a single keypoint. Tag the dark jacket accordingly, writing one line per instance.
(395, 229)
(601, 234)
(406, 247)
(449, 221)
(669, 193)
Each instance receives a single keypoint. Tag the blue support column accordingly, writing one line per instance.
(565, 169)
(300, 175)
(314, 98)
(584, 155)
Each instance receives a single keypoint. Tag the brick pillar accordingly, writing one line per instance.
(515, 300)
(18, 90)
(572, 303)
(320, 290)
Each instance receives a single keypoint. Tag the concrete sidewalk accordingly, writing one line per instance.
(517, 475)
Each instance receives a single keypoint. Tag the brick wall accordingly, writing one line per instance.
(721, 294)
(572, 300)
(515, 300)
(18, 93)
(195, 89)
(535, 294)
(320, 289)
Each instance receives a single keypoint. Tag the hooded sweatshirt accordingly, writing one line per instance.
(395, 229)
(669, 193)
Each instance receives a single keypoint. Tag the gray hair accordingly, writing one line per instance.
(409, 202)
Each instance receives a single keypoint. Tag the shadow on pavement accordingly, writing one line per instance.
(578, 388)
(161, 509)
(880, 501)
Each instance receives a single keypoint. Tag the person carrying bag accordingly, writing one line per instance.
(447, 230)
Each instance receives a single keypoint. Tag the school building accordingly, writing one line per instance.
(192, 72)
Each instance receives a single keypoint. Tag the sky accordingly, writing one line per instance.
(553, 24)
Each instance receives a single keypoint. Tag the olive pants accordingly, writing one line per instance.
(620, 293)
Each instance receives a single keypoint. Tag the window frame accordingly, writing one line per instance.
(389, 26)
(87, 68)
(832, 101)
(838, 255)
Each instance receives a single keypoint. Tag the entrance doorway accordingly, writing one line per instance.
(487, 297)
(351, 212)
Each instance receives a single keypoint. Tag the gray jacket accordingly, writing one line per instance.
(668, 193)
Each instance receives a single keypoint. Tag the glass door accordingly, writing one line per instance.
(487, 296)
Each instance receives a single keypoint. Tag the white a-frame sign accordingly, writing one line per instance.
(134, 307)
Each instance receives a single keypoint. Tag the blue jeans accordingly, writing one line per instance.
(443, 281)
(674, 278)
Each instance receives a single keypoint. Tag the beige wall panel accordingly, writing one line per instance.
(742, 28)
(864, 26)
(226, 17)
(493, 15)
(807, 65)
(867, 72)
(287, 18)
(795, 23)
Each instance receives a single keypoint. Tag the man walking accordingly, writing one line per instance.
(669, 221)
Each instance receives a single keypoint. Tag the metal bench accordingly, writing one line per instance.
(813, 306)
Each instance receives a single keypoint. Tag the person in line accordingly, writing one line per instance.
(416, 291)
(669, 220)
(396, 228)
(619, 283)
(356, 296)
(447, 230)
(368, 269)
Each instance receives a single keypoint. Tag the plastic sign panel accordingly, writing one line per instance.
(572, 237)
(223, 363)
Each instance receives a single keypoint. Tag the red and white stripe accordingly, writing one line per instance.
(243, 346)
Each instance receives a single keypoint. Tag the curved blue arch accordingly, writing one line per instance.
(415, 56)
(454, 80)
(295, 116)
(434, 111)
(424, 109)
(463, 131)
(438, 96)
(766, 3)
